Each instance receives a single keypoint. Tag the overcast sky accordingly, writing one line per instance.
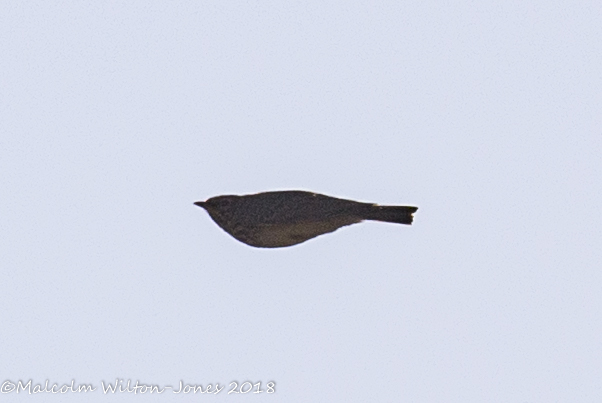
(117, 116)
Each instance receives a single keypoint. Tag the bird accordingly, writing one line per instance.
(285, 218)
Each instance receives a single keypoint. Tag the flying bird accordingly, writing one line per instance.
(286, 218)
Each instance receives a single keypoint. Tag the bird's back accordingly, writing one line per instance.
(296, 206)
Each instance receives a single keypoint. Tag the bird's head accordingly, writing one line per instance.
(217, 204)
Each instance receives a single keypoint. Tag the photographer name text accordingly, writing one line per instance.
(121, 386)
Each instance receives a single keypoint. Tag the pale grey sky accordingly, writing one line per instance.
(116, 117)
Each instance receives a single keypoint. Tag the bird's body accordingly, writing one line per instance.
(285, 218)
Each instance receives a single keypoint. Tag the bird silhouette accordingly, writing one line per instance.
(286, 218)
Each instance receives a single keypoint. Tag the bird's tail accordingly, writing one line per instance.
(395, 214)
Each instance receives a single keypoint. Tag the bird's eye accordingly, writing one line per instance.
(225, 202)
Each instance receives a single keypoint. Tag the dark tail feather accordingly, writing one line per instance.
(396, 214)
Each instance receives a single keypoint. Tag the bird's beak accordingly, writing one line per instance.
(200, 204)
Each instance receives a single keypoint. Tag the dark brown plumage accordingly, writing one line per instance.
(278, 219)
